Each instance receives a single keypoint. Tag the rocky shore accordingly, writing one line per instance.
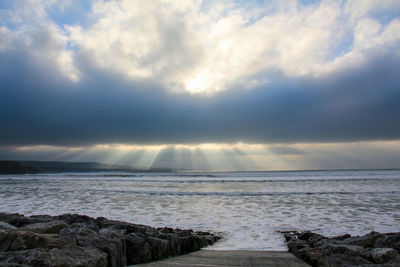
(79, 240)
(373, 249)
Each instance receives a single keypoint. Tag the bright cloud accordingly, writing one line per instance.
(208, 46)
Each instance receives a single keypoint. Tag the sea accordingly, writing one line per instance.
(249, 209)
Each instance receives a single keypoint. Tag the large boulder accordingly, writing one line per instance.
(19, 220)
(79, 240)
(370, 249)
(7, 226)
(78, 256)
(103, 223)
(77, 218)
(115, 248)
(51, 227)
(23, 240)
(390, 240)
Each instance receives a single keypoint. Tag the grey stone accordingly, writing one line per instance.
(114, 247)
(76, 218)
(366, 241)
(7, 226)
(372, 248)
(52, 227)
(78, 256)
(390, 240)
(23, 240)
(383, 255)
(79, 240)
(31, 257)
(20, 220)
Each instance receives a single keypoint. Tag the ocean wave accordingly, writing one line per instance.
(252, 180)
(239, 194)
(191, 181)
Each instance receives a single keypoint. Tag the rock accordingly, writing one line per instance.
(366, 241)
(384, 255)
(141, 248)
(52, 227)
(370, 249)
(114, 247)
(79, 240)
(78, 231)
(173, 241)
(78, 256)
(7, 226)
(128, 227)
(350, 250)
(189, 244)
(19, 220)
(342, 237)
(13, 265)
(138, 249)
(76, 218)
(42, 218)
(337, 260)
(159, 248)
(209, 238)
(306, 253)
(112, 231)
(390, 240)
(8, 217)
(22, 240)
(166, 230)
(31, 257)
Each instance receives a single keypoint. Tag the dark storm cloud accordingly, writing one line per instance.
(38, 106)
(285, 150)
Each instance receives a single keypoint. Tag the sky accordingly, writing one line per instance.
(202, 85)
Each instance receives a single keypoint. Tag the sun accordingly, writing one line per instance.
(198, 84)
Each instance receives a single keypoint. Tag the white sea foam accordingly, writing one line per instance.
(248, 208)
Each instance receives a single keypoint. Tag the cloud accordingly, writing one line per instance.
(43, 108)
(286, 150)
(274, 73)
(210, 46)
(197, 48)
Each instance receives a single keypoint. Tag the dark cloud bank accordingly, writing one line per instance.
(39, 106)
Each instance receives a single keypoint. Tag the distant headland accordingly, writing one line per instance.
(25, 167)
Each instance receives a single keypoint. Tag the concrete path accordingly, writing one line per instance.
(231, 258)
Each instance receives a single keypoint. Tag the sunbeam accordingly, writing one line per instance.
(228, 157)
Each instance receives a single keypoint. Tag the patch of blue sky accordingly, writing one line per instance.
(343, 47)
(386, 16)
(230, 6)
(73, 14)
(207, 5)
(268, 7)
(5, 7)
(71, 46)
(262, 7)
(6, 4)
(309, 2)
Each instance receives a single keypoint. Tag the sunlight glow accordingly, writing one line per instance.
(199, 84)
(128, 147)
(220, 156)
